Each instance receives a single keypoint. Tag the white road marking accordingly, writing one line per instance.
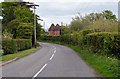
(54, 51)
(39, 71)
(52, 57)
(44, 65)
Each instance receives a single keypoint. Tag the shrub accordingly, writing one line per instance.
(23, 44)
(7, 46)
(11, 46)
(87, 31)
(106, 41)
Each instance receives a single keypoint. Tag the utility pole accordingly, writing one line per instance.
(61, 23)
(35, 26)
(35, 23)
(44, 26)
(32, 5)
(61, 27)
(61, 31)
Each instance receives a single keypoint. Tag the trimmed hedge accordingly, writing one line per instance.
(105, 43)
(11, 46)
(108, 43)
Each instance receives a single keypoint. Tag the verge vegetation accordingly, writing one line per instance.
(106, 66)
(19, 54)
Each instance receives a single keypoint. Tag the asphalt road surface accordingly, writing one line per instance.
(51, 60)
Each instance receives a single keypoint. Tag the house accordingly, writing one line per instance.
(54, 30)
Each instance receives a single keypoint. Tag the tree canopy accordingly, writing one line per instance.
(16, 15)
(84, 22)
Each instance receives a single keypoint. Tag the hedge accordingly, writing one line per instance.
(105, 43)
(10, 46)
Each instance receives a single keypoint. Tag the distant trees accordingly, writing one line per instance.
(104, 21)
(107, 14)
(79, 22)
(65, 30)
(105, 25)
(92, 17)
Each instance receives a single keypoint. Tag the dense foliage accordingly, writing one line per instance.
(105, 21)
(105, 43)
(16, 15)
(105, 25)
(24, 30)
(11, 46)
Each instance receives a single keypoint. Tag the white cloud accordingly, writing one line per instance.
(53, 12)
(56, 20)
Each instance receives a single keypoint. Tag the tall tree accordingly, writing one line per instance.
(79, 22)
(24, 30)
(105, 25)
(8, 11)
(82, 22)
(107, 14)
(12, 27)
(15, 13)
(24, 14)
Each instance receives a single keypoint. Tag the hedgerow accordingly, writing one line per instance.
(108, 43)
(11, 46)
(104, 43)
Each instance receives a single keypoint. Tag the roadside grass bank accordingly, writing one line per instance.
(106, 66)
(20, 54)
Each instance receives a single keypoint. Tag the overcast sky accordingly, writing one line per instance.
(57, 11)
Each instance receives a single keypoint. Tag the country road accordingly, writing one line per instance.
(51, 60)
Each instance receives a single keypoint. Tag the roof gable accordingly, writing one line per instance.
(55, 28)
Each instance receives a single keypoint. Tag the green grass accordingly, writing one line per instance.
(107, 67)
(19, 54)
(37, 44)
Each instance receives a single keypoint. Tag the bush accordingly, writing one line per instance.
(87, 31)
(11, 46)
(105, 41)
(7, 46)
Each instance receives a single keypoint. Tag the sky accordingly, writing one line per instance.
(57, 11)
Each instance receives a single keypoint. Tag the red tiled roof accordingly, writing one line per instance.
(51, 27)
(55, 28)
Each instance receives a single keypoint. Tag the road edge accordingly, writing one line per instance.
(97, 73)
(17, 58)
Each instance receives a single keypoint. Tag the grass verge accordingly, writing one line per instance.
(107, 67)
(19, 54)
